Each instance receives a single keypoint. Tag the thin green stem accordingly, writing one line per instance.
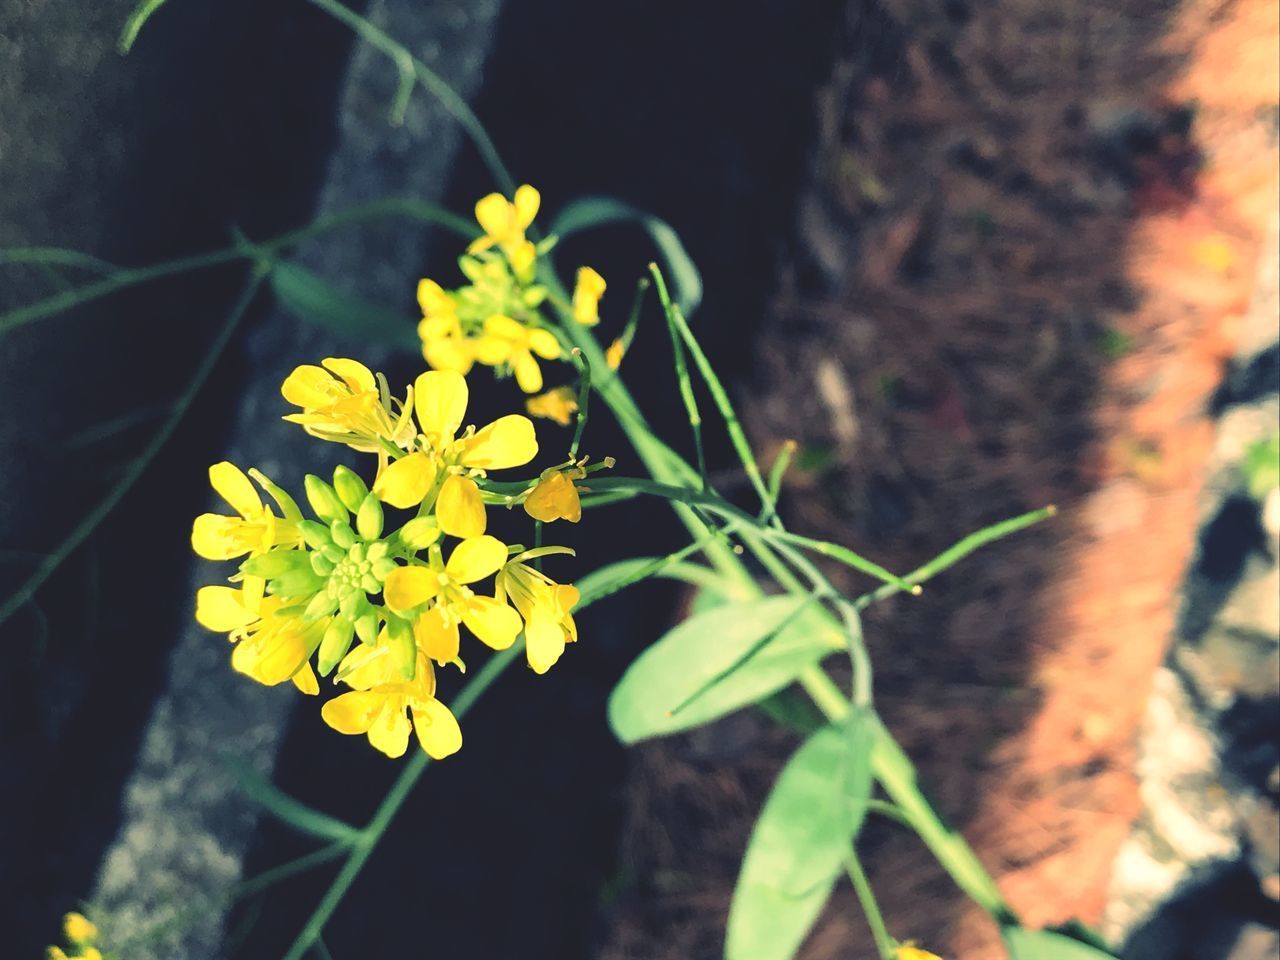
(141, 14)
(770, 510)
(54, 559)
(584, 399)
(55, 256)
(371, 834)
(445, 95)
(885, 945)
(682, 378)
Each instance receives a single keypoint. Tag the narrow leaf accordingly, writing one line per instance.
(800, 843)
(315, 300)
(590, 212)
(1047, 945)
(716, 662)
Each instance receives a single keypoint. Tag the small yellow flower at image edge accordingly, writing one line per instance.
(908, 951)
(80, 932)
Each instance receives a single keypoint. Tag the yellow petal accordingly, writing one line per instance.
(522, 257)
(389, 731)
(78, 928)
(544, 344)
(460, 508)
(613, 356)
(449, 353)
(214, 537)
(554, 498)
(352, 712)
(352, 372)
(474, 559)
(437, 635)
(308, 387)
(409, 587)
(404, 482)
(507, 442)
(544, 640)
(432, 299)
(504, 327)
(493, 213)
(587, 292)
(234, 487)
(437, 729)
(525, 207)
(440, 400)
(305, 680)
(908, 952)
(492, 621)
(492, 350)
(528, 373)
(558, 404)
(222, 609)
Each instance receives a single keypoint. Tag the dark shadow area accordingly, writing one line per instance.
(208, 126)
(705, 121)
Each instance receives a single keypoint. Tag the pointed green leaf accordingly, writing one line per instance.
(315, 300)
(719, 661)
(800, 842)
(1047, 945)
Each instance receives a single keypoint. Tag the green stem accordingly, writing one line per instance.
(369, 836)
(885, 945)
(53, 560)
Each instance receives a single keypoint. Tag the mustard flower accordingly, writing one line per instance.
(587, 292)
(256, 530)
(341, 400)
(555, 497)
(80, 932)
(508, 342)
(558, 404)
(444, 344)
(447, 459)
(909, 952)
(504, 223)
(613, 356)
(380, 697)
(446, 586)
(273, 642)
(544, 605)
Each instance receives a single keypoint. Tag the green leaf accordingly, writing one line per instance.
(801, 842)
(719, 661)
(589, 212)
(315, 300)
(284, 807)
(1047, 945)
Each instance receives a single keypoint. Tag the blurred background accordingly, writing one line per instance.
(973, 257)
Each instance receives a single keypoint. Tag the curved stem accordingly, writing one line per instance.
(885, 945)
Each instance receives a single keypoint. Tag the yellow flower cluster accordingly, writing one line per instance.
(495, 319)
(80, 934)
(382, 609)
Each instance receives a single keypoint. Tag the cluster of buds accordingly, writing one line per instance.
(380, 605)
(495, 318)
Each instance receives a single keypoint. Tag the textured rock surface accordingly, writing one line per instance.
(187, 826)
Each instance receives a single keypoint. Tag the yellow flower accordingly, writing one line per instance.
(909, 952)
(507, 341)
(545, 607)
(558, 404)
(85, 953)
(380, 696)
(555, 497)
(613, 356)
(586, 297)
(504, 223)
(340, 401)
(440, 401)
(77, 928)
(273, 644)
(408, 590)
(256, 530)
(444, 346)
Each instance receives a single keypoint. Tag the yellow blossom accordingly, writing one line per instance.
(909, 952)
(555, 497)
(408, 590)
(504, 223)
(507, 341)
(444, 346)
(380, 697)
(78, 928)
(340, 401)
(587, 292)
(613, 356)
(544, 605)
(256, 530)
(558, 404)
(273, 643)
(440, 401)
